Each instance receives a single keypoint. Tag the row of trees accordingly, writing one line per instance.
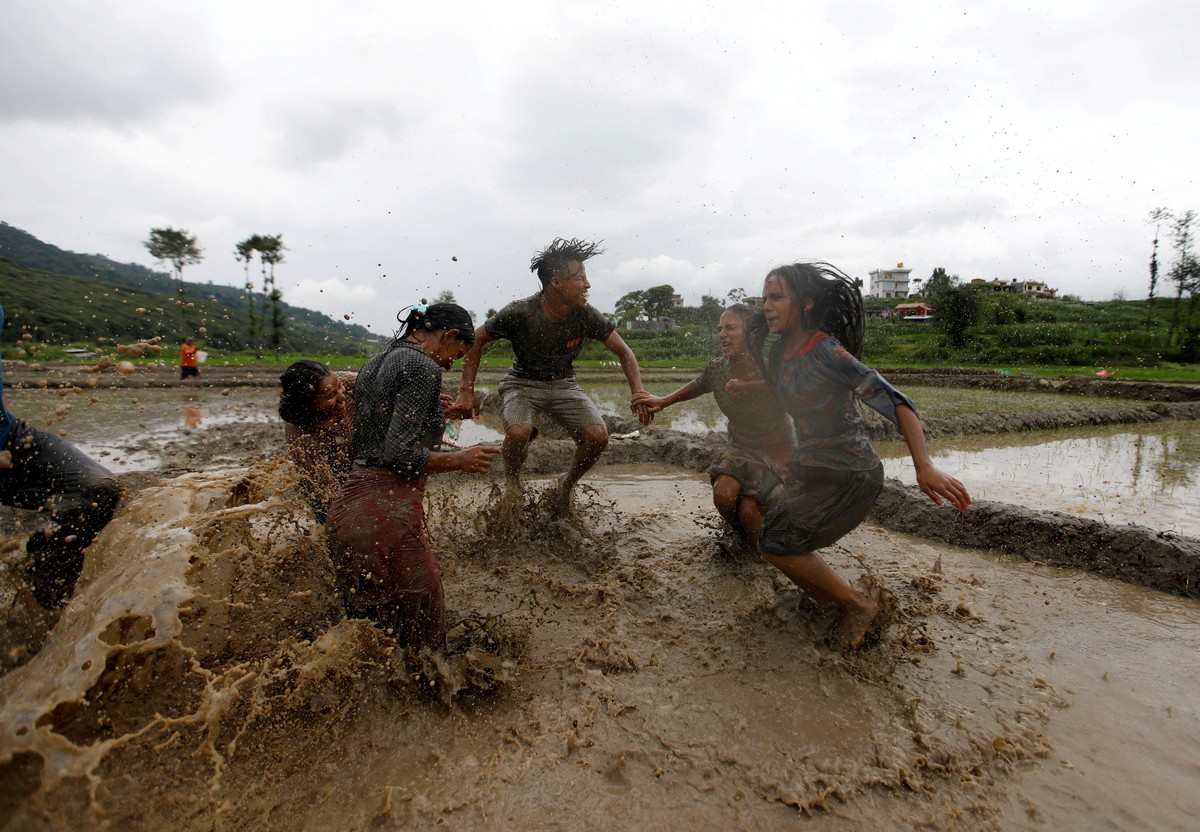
(1184, 274)
(178, 248)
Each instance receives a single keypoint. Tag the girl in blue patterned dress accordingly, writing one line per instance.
(835, 475)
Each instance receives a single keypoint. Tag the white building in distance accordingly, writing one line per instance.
(889, 283)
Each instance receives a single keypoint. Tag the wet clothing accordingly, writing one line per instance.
(385, 568)
(376, 524)
(563, 401)
(545, 350)
(834, 476)
(77, 495)
(397, 414)
(753, 419)
(818, 385)
(761, 438)
(814, 507)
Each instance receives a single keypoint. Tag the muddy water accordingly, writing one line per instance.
(636, 674)
(1119, 474)
(138, 429)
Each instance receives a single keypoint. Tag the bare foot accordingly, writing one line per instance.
(855, 624)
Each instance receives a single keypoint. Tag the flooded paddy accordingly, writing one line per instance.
(1147, 475)
(618, 667)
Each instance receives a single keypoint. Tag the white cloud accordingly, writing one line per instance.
(704, 146)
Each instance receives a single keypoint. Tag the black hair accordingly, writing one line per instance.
(434, 316)
(742, 310)
(553, 259)
(300, 382)
(837, 306)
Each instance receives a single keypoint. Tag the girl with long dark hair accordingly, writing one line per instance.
(835, 475)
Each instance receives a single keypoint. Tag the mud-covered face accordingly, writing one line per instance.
(730, 335)
(330, 401)
(780, 307)
(573, 285)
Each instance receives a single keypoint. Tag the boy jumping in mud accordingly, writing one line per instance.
(548, 330)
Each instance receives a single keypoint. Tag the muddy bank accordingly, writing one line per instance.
(1154, 391)
(1135, 554)
(1073, 416)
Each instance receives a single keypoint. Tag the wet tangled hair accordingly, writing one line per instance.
(434, 316)
(300, 382)
(837, 305)
(554, 258)
(742, 310)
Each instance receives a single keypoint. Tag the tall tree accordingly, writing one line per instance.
(1182, 272)
(445, 296)
(270, 251)
(244, 252)
(179, 248)
(938, 281)
(631, 305)
(1157, 216)
(659, 300)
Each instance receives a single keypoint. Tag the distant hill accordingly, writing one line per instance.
(62, 297)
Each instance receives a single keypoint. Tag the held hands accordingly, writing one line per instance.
(938, 485)
(644, 406)
(466, 406)
(476, 460)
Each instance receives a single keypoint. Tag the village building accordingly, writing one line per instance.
(1025, 288)
(914, 311)
(889, 283)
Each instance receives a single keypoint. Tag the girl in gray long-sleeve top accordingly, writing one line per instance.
(376, 527)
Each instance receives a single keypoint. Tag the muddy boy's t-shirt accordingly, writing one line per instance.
(543, 349)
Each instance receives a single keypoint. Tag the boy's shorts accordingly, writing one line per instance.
(563, 401)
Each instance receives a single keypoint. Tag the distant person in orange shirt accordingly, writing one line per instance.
(187, 359)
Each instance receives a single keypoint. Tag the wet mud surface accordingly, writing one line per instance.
(626, 665)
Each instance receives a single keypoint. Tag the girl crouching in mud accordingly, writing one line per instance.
(376, 527)
(834, 475)
(760, 431)
(317, 407)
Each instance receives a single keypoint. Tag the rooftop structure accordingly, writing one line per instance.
(889, 283)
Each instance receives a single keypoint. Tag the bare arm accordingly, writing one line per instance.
(633, 374)
(476, 460)
(930, 479)
(654, 404)
(467, 405)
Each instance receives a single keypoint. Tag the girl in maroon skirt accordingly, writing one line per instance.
(376, 525)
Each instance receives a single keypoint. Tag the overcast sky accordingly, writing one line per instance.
(703, 142)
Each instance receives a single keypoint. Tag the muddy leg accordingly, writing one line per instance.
(591, 443)
(514, 450)
(751, 518)
(809, 572)
(726, 492)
